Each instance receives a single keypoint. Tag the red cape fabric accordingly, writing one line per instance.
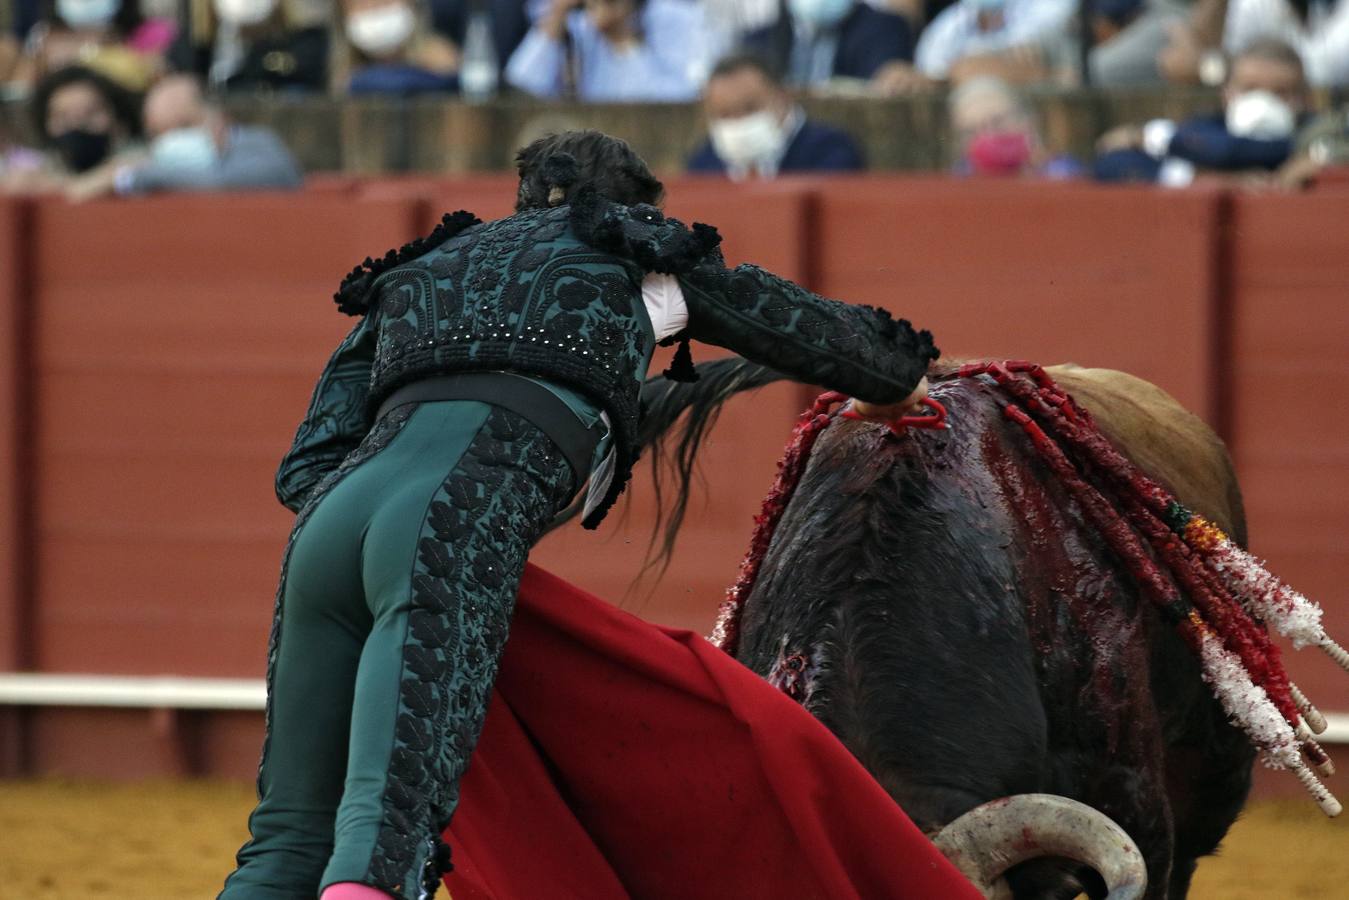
(622, 759)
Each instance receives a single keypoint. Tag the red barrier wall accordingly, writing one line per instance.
(1121, 278)
(12, 427)
(15, 596)
(1290, 368)
(175, 342)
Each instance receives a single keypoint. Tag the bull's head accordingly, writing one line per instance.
(790, 638)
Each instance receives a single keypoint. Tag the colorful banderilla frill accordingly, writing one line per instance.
(1218, 597)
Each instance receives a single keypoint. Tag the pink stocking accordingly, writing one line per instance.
(350, 890)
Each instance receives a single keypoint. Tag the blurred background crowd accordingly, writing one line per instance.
(124, 97)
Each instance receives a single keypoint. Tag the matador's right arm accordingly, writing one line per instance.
(336, 421)
(857, 350)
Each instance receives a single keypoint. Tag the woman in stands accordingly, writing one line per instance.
(88, 124)
(493, 371)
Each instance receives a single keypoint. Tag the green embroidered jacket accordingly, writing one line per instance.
(556, 294)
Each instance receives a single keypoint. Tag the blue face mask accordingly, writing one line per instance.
(820, 13)
(185, 150)
(87, 13)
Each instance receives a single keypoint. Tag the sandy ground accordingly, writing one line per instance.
(176, 840)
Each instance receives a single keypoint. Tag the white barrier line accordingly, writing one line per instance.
(172, 692)
(145, 692)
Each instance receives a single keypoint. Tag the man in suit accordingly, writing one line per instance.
(816, 41)
(756, 129)
(1265, 102)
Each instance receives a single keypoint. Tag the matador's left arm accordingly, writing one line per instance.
(858, 350)
(336, 421)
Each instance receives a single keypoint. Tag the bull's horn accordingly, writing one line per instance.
(988, 840)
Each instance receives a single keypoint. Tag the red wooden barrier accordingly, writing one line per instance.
(1290, 368)
(488, 197)
(15, 597)
(1050, 272)
(177, 341)
(13, 412)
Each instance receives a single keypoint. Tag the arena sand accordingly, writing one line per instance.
(175, 841)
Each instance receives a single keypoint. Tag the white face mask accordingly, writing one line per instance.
(747, 140)
(382, 30)
(244, 12)
(1260, 115)
(185, 150)
(820, 13)
(87, 13)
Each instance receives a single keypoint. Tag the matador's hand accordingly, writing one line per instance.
(888, 412)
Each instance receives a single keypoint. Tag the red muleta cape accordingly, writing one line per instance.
(621, 759)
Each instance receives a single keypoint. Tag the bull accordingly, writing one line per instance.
(940, 603)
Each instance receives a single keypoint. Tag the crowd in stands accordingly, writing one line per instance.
(122, 91)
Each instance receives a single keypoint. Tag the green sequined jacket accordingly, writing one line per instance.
(556, 294)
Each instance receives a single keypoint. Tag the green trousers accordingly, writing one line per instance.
(395, 601)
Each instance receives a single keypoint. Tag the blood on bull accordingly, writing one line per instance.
(1041, 599)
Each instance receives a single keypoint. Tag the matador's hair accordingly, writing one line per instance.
(555, 167)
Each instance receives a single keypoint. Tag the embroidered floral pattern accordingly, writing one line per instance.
(553, 293)
(524, 294)
(470, 556)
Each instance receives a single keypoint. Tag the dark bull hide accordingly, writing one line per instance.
(939, 603)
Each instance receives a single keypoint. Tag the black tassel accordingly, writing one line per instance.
(681, 367)
(351, 295)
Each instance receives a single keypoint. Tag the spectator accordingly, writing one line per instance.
(507, 22)
(996, 135)
(86, 122)
(1317, 29)
(735, 18)
(14, 24)
(757, 130)
(1323, 144)
(486, 33)
(193, 147)
(818, 41)
(19, 16)
(614, 50)
(251, 44)
(17, 162)
(109, 36)
(390, 48)
(11, 62)
(1019, 41)
(1127, 36)
(1263, 99)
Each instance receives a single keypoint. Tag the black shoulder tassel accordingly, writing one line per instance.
(590, 219)
(352, 296)
(681, 367)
